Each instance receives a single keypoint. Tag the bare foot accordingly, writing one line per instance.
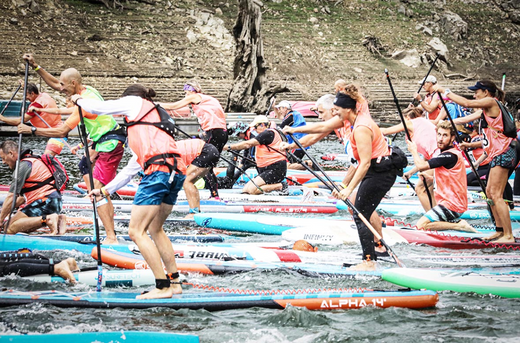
(365, 266)
(63, 269)
(505, 239)
(464, 226)
(190, 216)
(494, 236)
(62, 224)
(162, 293)
(52, 223)
(110, 241)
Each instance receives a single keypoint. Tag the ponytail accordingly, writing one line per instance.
(141, 91)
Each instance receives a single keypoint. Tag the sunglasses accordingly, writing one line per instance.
(257, 125)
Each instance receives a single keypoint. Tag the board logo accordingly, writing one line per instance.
(206, 222)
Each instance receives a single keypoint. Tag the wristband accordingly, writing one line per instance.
(37, 68)
(229, 146)
(343, 186)
(104, 192)
(80, 146)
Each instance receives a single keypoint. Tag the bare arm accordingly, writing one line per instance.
(242, 145)
(467, 119)
(64, 110)
(190, 99)
(394, 129)
(442, 115)
(323, 127)
(7, 205)
(420, 164)
(14, 121)
(60, 131)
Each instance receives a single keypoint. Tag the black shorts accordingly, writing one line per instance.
(208, 157)
(216, 137)
(273, 173)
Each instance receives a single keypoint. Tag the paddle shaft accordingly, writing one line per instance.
(459, 140)
(428, 74)
(503, 81)
(83, 137)
(406, 130)
(332, 186)
(10, 100)
(17, 166)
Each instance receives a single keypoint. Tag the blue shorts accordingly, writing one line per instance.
(155, 189)
(49, 205)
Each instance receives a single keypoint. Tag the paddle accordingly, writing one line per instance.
(459, 140)
(17, 166)
(408, 136)
(332, 186)
(428, 74)
(83, 138)
(503, 81)
(243, 172)
(10, 100)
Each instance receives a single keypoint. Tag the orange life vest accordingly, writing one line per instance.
(266, 154)
(156, 150)
(452, 187)
(210, 113)
(379, 145)
(39, 174)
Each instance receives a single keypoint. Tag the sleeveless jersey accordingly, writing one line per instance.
(425, 136)
(210, 113)
(495, 142)
(148, 141)
(452, 188)
(379, 145)
(39, 173)
(53, 120)
(428, 99)
(265, 156)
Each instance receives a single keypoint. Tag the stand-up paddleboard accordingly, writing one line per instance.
(505, 285)
(215, 267)
(439, 239)
(126, 238)
(339, 233)
(408, 208)
(75, 204)
(111, 278)
(213, 301)
(102, 337)
(264, 224)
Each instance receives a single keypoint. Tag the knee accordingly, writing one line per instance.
(134, 233)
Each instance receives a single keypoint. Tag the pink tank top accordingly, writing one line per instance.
(210, 113)
(452, 188)
(495, 142)
(425, 137)
(379, 145)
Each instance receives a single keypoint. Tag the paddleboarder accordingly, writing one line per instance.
(497, 146)
(40, 201)
(270, 162)
(151, 139)
(451, 199)
(430, 104)
(212, 120)
(107, 136)
(424, 135)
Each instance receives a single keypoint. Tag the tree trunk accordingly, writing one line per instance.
(250, 91)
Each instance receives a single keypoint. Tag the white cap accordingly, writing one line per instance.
(258, 120)
(284, 103)
(430, 78)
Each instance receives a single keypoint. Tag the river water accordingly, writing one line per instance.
(457, 317)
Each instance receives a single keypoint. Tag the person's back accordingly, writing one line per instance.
(45, 101)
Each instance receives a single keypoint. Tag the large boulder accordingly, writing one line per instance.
(439, 47)
(453, 25)
(410, 58)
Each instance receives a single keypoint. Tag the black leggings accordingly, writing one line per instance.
(217, 138)
(25, 264)
(371, 190)
(233, 173)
